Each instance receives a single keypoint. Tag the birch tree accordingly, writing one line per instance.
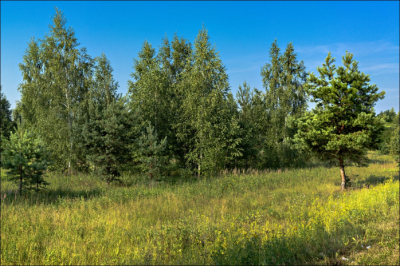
(56, 78)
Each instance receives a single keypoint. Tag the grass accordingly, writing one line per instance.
(257, 217)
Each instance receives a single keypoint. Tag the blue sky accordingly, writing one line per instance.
(242, 32)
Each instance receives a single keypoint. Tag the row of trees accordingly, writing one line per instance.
(179, 112)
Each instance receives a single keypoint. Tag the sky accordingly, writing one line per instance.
(241, 31)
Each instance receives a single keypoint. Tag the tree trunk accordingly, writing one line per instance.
(343, 174)
(20, 180)
(283, 146)
(199, 166)
(69, 118)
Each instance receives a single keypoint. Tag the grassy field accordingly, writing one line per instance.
(271, 217)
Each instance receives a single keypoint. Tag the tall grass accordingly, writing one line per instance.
(257, 217)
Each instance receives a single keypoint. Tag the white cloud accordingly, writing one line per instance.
(375, 58)
(377, 69)
(242, 70)
(358, 49)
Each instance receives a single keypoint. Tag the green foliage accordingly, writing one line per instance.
(391, 130)
(173, 59)
(6, 121)
(56, 76)
(389, 115)
(103, 89)
(202, 127)
(70, 100)
(253, 121)
(286, 99)
(394, 144)
(27, 158)
(151, 152)
(102, 93)
(104, 136)
(343, 125)
(148, 93)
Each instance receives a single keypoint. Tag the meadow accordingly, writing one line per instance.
(289, 217)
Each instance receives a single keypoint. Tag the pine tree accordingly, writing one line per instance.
(151, 152)
(343, 124)
(251, 117)
(229, 133)
(102, 92)
(26, 157)
(7, 123)
(106, 138)
(103, 126)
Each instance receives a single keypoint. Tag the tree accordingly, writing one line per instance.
(394, 149)
(395, 140)
(148, 91)
(173, 59)
(7, 124)
(286, 98)
(102, 92)
(389, 116)
(252, 119)
(103, 89)
(151, 153)
(343, 124)
(56, 78)
(26, 157)
(203, 90)
(103, 129)
(105, 137)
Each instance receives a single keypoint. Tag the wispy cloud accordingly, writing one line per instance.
(385, 68)
(242, 70)
(359, 49)
(375, 58)
(390, 89)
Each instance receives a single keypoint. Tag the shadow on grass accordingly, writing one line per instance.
(374, 161)
(371, 180)
(48, 196)
(279, 249)
(375, 180)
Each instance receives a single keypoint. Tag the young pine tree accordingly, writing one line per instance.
(106, 138)
(253, 121)
(343, 124)
(26, 158)
(152, 153)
